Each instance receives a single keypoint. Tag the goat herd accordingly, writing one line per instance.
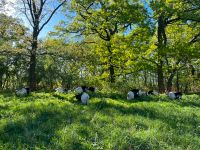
(81, 93)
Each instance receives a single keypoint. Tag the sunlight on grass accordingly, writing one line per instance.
(53, 121)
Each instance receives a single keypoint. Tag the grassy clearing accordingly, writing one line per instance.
(49, 121)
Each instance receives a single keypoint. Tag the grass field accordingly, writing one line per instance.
(50, 121)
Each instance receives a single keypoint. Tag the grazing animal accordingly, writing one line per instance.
(175, 95)
(27, 90)
(78, 96)
(83, 97)
(130, 95)
(92, 89)
(23, 91)
(142, 93)
(61, 90)
(85, 88)
(152, 92)
(79, 90)
(134, 93)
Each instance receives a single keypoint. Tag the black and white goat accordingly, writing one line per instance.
(23, 91)
(92, 89)
(82, 95)
(152, 92)
(175, 95)
(134, 93)
(81, 89)
(142, 93)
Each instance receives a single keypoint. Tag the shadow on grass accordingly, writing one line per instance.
(7, 93)
(188, 104)
(5, 107)
(181, 123)
(36, 131)
(107, 95)
(59, 96)
(70, 98)
(125, 110)
(123, 97)
(151, 98)
(141, 99)
(39, 130)
(189, 101)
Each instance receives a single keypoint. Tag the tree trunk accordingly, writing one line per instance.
(162, 41)
(111, 66)
(177, 81)
(161, 86)
(32, 74)
(169, 81)
(112, 74)
(32, 67)
(186, 88)
(145, 78)
(1, 82)
(192, 70)
(35, 12)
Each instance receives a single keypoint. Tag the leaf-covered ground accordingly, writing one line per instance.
(52, 121)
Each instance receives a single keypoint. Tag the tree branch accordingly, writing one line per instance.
(173, 20)
(51, 15)
(25, 12)
(194, 39)
(150, 60)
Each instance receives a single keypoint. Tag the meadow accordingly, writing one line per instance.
(57, 121)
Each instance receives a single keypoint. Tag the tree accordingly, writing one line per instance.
(168, 13)
(2, 4)
(105, 18)
(38, 15)
(12, 33)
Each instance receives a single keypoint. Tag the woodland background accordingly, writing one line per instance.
(103, 43)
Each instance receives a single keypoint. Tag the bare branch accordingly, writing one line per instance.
(42, 3)
(52, 15)
(43, 16)
(86, 9)
(26, 14)
(29, 3)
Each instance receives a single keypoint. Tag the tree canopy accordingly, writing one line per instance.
(122, 44)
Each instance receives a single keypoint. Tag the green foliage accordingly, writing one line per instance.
(13, 58)
(49, 121)
(11, 35)
(113, 33)
(105, 16)
(66, 64)
(106, 20)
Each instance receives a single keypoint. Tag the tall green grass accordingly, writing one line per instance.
(52, 121)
